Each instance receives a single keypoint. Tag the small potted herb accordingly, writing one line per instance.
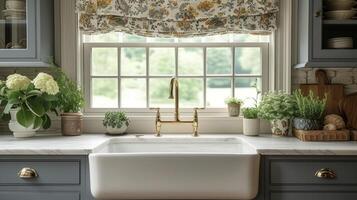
(251, 122)
(310, 111)
(70, 102)
(234, 106)
(116, 123)
(279, 108)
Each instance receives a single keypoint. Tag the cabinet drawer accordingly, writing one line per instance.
(50, 172)
(24, 195)
(313, 196)
(303, 172)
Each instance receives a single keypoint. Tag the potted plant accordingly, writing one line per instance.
(278, 108)
(233, 106)
(251, 122)
(70, 102)
(28, 102)
(116, 123)
(310, 111)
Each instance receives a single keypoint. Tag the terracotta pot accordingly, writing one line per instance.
(72, 124)
(233, 109)
(280, 127)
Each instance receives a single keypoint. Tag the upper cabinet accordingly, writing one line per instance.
(327, 33)
(26, 32)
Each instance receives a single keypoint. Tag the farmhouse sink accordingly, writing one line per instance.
(174, 168)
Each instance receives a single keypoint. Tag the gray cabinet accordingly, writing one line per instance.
(26, 36)
(294, 177)
(314, 30)
(58, 178)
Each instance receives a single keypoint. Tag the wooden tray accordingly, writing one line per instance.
(354, 135)
(322, 135)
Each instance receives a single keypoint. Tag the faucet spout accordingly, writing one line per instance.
(174, 94)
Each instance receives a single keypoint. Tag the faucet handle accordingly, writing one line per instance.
(157, 109)
(197, 108)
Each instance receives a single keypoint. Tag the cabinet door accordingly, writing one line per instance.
(18, 29)
(313, 195)
(26, 195)
(326, 28)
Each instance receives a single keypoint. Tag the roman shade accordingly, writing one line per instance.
(178, 18)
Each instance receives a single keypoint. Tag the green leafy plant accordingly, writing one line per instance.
(277, 106)
(115, 119)
(233, 100)
(250, 113)
(33, 100)
(70, 98)
(310, 106)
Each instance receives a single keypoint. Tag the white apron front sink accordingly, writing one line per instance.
(174, 168)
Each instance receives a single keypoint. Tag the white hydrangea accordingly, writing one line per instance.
(17, 82)
(45, 83)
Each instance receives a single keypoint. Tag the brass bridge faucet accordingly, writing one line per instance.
(174, 94)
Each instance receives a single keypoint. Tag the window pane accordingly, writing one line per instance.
(157, 39)
(248, 60)
(104, 62)
(162, 61)
(250, 38)
(104, 93)
(133, 61)
(219, 61)
(217, 38)
(190, 61)
(247, 89)
(133, 93)
(106, 37)
(133, 38)
(218, 89)
(159, 93)
(190, 39)
(191, 92)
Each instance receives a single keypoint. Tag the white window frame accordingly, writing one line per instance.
(87, 49)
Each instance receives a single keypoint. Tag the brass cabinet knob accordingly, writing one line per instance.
(325, 173)
(27, 173)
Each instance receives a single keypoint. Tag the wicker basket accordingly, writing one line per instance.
(322, 135)
(354, 135)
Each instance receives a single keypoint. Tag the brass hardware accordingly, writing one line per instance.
(317, 13)
(325, 173)
(27, 173)
(174, 94)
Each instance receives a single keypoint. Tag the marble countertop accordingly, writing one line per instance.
(86, 143)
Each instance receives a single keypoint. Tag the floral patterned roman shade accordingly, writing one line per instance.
(178, 18)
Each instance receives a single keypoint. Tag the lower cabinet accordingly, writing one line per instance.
(310, 177)
(41, 195)
(281, 178)
(44, 178)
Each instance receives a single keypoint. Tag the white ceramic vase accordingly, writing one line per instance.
(17, 129)
(117, 131)
(251, 127)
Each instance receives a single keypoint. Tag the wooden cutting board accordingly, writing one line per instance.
(335, 92)
(348, 107)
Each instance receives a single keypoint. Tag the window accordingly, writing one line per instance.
(132, 72)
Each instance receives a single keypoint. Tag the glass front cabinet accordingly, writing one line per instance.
(26, 32)
(327, 33)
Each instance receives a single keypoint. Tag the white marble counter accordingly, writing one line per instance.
(84, 144)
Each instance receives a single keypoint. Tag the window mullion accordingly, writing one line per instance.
(176, 61)
(204, 77)
(233, 71)
(147, 78)
(118, 77)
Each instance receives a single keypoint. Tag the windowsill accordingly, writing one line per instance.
(146, 124)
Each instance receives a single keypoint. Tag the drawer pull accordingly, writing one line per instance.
(27, 173)
(325, 173)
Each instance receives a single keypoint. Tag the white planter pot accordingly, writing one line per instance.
(116, 131)
(251, 127)
(17, 129)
